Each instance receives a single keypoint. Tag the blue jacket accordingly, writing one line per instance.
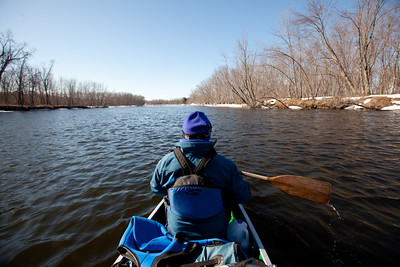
(221, 171)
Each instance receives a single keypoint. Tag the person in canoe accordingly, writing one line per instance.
(198, 183)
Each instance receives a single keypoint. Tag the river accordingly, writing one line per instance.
(71, 180)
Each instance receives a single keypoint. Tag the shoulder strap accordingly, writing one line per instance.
(205, 160)
(182, 161)
(200, 167)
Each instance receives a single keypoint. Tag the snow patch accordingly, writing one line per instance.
(270, 102)
(354, 107)
(394, 107)
(295, 107)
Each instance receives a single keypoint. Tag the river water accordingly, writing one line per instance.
(71, 180)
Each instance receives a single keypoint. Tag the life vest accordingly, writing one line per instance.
(196, 205)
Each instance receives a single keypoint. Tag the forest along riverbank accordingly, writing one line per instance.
(43, 107)
(372, 102)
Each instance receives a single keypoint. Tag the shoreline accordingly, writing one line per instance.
(371, 102)
(43, 107)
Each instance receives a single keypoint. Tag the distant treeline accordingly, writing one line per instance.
(323, 52)
(25, 85)
(177, 101)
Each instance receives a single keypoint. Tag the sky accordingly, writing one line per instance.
(160, 49)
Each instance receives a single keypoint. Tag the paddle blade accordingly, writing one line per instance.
(303, 187)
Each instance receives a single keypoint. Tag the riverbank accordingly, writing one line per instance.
(43, 107)
(371, 102)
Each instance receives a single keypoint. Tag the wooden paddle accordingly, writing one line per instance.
(298, 186)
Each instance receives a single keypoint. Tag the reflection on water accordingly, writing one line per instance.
(71, 179)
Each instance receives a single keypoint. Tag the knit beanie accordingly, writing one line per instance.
(196, 123)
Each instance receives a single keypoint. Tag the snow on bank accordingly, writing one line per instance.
(395, 99)
(223, 105)
(295, 107)
(236, 106)
(354, 107)
(394, 107)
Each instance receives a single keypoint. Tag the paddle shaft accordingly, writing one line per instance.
(298, 186)
(258, 176)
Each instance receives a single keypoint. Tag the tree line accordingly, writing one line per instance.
(323, 51)
(25, 85)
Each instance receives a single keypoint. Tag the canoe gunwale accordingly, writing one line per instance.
(256, 238)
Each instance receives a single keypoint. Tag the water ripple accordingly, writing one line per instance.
(70, 181)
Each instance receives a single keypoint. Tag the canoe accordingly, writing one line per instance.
(257, 250)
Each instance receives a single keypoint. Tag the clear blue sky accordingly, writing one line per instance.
(157, 49)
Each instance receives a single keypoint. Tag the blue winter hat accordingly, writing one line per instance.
(196, 123)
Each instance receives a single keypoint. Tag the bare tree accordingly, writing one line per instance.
(71, 85)
(9, 86)
(21, 82)
(34, 84)
(241, 78)
(317, 18)
(389, 55)
(291, 56)
(366, 20)
(47, 80)
(10, 52)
